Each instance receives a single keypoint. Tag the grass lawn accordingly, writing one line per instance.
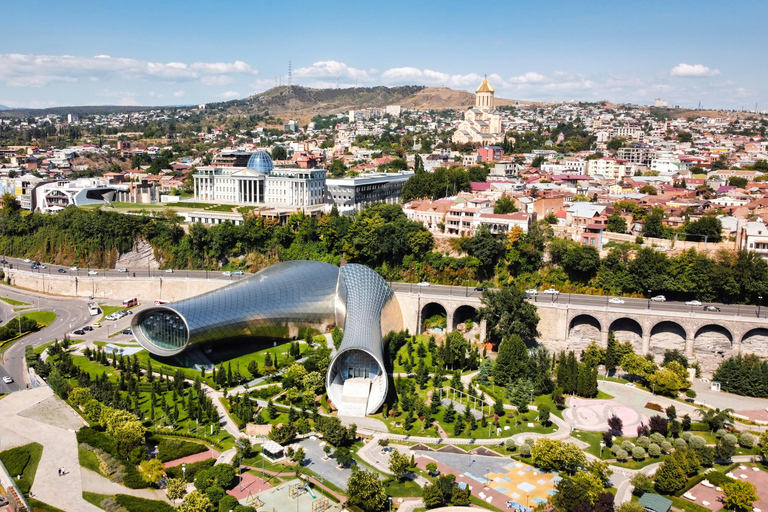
(39, 350)
(95, 499)
(687, 506)
(88, 460)
(13, 302)
(39, 506)
(105, 343)
(41, 317)
(34, 451)
(108, 310)
(405, 489)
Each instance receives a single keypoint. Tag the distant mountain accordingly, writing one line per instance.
(82, 110)
(3, 107)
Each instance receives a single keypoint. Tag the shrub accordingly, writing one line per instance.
(608, 439)
(622, 455)
(96, 439)
(654, 450)
(510, 445)
(135, 504)
(746, 440)
(666, 447)
(172, 449)
(643, 442)
(525, 450)
(615, 448)
(697, 442)
(530, 441)
(680, 444)
(642, 483)
(687, 436)
(721, 432)
(657, 438)
(627, 445)
(638, 453)
(718, 478)
(730, 440)
(192, 469)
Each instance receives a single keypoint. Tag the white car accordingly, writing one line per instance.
(122, 270)
(226, 273)
(27, 260)
(169, 271)
(41, 266)
(532, 291)
(74, 269)
(92, 273)
(659, 298)
(552, 291)
(693, 303)
(423, 283)
(616, 300)
(7, 379)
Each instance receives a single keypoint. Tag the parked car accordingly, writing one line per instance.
(62, 271)
(128, 331)
(552, 291)
(479, 288)
(122, 270)
(532, 291)
(239, 272)
(3, 261)
(423, 283)
(79, 332)
(616, 300)
(74, 269)
(169, 271)
(92, 273)
(693, 303)
(40, 265)
(7, 379)
(96, 325)
(711, 308)
(87, 328)
(659, 298)
(226, 273)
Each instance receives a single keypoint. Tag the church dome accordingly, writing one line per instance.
(261, 162)
(485, 87)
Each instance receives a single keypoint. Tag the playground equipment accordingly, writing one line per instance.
(321, 505)
(297, 490)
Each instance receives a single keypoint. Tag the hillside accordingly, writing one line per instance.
(303, 103)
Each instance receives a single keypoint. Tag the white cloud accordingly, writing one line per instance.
(26, 70)
(429, 76)
(693, 70)
(331, 68)
(216, 80)
(179, 94)
(530, 77)
(229, 95)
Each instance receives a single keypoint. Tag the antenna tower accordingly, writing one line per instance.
(290, 74)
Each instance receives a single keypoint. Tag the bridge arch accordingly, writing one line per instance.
(667, 335)
(463, 313)
(711, 344)
(628, 329)
(755, 341)
(429, 314)
(582, 329)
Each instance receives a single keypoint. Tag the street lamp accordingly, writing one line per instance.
(526, 499)
(649, 299)
(759, 301)
(184, 471)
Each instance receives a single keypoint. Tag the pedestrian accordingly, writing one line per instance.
(63, 471)
(59, 471)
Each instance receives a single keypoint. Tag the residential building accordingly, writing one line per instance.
(753, 236)
(375, 187)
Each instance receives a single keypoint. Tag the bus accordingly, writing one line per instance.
(128, 303)
(159, 302)
(93, 308)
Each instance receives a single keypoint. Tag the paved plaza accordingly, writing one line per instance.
(327, 469)
(280, 499)
(584, 414)
(524, 484)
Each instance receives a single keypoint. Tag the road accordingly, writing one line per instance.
(71, 314)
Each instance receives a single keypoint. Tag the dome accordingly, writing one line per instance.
(261, 162)
(484, 87)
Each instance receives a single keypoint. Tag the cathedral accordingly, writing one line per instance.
(481, 124)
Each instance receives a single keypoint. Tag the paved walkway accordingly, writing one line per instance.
(207, 454)
(94, 482)
(59, 449)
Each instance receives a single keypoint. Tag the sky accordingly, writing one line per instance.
(56, 53)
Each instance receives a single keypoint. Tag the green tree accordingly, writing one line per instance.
(507, 313)
(616, 223)
(432, 496)
(366, 491)
(738, 181)
(175, 488)
(504, 205)
(616, 143)
(398, 464)
(612, 354)
(554, 454)
(337, 335)
(739, 495)
(196, 502)
(670, 477)
(279, 153)
(512, 361)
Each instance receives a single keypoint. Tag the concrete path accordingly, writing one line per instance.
(59, 450)
(224, 419)
(94, 482)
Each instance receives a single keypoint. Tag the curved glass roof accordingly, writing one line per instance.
(261, 162)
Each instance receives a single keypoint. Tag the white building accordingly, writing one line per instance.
(55, 196)
(753, 236)
(376, 187)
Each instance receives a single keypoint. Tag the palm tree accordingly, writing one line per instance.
(715, 418)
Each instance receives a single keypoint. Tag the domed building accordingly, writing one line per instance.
(261, 162)
(482, 123)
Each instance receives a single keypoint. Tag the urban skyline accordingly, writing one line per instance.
(181, 53)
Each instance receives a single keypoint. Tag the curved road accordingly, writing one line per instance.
(71, 313)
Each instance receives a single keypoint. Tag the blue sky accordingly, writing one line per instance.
(187, 52)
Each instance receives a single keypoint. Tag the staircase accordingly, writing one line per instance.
(354, 397)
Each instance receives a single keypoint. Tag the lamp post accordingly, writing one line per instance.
(526, 499)
(184, 472)
(602, 445)
(390, 504)
(649, 299)
(759, 302)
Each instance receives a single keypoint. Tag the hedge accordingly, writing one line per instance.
(172, 449)
(135, 504)
(192, 469)
(15, 460)
(97, 439)
(190, 435)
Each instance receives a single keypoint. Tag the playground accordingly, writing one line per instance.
(525, 485)
(296, 494)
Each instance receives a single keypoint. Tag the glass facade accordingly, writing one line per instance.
(261, 162)
(165, 328)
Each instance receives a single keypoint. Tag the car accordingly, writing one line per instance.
(87, 328)
(711, 308)
(169, 271)
(27, 260)
(659, 298)
(96, 326)
(616, 300)
(479, 288)
(128, 331)
(239, 273)
(226, 273)
(7, 379)
(62, 271)
(4, 261)
(693, 303)
(33, 267)
(41, 266)
(532, 291)
(689, 400)
(122, 270)
(552, 291)
(92, 273)
(78, 332)
(74, 269)
(423, 283)
(111, 317)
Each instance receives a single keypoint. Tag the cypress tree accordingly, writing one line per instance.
(562, 372)
(612, 353)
